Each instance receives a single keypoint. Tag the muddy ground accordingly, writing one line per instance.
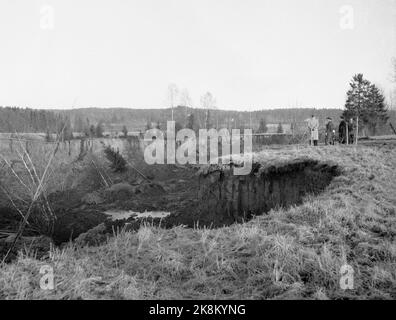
(170, 188)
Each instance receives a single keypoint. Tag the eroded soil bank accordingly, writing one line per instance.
(224, 198)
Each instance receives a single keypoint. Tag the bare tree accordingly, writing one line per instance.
(173, 93)
(208, 102)
(185, 100)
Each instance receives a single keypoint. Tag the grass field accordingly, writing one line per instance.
(293, 253)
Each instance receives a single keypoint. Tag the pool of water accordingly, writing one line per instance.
(126, 214)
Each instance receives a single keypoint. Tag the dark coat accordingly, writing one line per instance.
(329, 127)
(342, 131)
(342, 128)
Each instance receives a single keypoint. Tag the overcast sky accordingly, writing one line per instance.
(251, 54)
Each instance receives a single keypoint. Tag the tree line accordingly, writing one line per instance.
(364, 100)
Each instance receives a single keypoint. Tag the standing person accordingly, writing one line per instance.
(313, 126)
(330, 132)
(351, 131)
(342, 131)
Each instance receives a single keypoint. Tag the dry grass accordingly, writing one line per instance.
(287, 254)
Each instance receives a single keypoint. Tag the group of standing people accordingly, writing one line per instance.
(345, 131)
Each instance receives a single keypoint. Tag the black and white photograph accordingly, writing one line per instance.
(197, 155)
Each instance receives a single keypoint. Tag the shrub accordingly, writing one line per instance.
(118, 163)
(120, 191)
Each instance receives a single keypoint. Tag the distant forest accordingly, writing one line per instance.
(13, 119)
(140, 119)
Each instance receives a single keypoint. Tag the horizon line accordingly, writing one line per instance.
(166, 108)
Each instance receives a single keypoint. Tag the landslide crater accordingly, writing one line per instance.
(224, 198)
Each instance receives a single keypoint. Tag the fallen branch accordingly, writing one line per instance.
(103, 178)
(140, 173)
